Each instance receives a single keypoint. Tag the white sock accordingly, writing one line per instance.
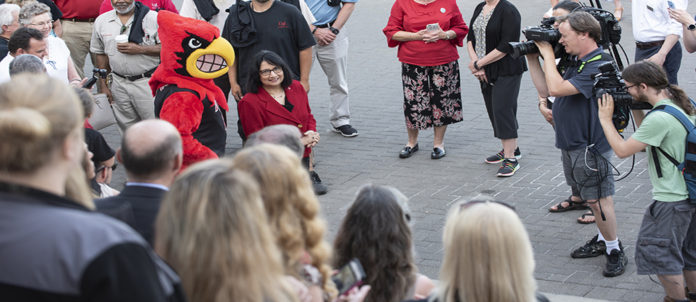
(612, 245)
(599, 236)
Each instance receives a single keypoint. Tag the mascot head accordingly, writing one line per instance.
(193, 48)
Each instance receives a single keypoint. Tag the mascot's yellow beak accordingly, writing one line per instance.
(211, 62)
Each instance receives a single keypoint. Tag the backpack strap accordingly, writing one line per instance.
(686, 123)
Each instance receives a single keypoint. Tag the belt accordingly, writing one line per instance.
(327, 25)
(79, 19)
(645, 45)
(138, 76)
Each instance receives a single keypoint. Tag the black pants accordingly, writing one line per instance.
(500, 98)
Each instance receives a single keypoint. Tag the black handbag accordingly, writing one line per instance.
(333, 2)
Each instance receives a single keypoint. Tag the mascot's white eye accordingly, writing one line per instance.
(194, 43)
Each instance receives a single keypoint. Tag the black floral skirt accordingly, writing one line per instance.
(432, 95)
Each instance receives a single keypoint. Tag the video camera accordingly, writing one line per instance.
(611, 34)
(609, 81)
(544, 32)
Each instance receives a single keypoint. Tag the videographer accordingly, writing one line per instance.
(666, 243)
(584, 150)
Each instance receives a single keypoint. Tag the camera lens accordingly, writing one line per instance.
(522, 48)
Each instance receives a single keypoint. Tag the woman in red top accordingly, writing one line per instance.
(428, 33)
(275, 98)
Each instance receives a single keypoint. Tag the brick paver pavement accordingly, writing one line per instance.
(345, 164)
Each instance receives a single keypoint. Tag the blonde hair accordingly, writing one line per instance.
(292, 207)
(37, 114)
(488, 256)
(211, 229)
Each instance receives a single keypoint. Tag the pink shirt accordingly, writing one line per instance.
(155, 5)
(407, 15)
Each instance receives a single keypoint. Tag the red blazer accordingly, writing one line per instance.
(258, 110)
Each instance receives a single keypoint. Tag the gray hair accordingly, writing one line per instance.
(26, 63)
(284, 135)
(6, 18)
(32, 10)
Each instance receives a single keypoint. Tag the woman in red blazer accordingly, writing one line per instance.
(274, 98)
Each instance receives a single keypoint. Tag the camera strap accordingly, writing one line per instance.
(582, 64)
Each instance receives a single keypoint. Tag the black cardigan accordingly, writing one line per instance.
(503, 27)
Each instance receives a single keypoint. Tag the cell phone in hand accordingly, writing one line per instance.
(670, 4)
(349, 276)
(432, 27)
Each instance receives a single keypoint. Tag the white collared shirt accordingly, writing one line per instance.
(651, 21)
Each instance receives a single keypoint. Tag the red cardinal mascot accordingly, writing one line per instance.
(192, 55)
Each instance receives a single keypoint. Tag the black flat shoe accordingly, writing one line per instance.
(438, 153)
(407, 151)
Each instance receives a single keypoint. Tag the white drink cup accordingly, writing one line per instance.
(121, 39)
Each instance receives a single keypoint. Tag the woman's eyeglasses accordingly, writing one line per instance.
(42, 24)
(267, 72)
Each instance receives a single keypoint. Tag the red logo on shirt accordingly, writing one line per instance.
(282, 24)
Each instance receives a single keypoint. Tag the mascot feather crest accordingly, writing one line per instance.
(192, 55)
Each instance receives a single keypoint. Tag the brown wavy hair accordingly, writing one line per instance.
(211, 229)
(375, 230)
(292, 207)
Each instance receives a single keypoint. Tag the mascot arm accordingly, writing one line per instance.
(250, 115)
(184, 110)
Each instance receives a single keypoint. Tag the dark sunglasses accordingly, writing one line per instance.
(473, 202)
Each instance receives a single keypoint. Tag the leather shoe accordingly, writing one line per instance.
(438, 153)
(407, 151)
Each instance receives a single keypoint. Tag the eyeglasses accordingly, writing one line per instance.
(42, 24)
(634, 85)
(267, 72)
(473, 202)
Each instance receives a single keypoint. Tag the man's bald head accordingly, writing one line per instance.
(150, 149)
(282, 134)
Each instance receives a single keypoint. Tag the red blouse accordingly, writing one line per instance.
(407, 15)
(258, 110)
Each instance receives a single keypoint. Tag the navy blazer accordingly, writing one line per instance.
(137, 206)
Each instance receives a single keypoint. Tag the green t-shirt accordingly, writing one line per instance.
(661, 129)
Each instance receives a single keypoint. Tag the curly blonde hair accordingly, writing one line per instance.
(292, 207)
(211, 229)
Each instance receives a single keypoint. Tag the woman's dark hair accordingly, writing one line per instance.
(568, 5)
(654, 76)
(254, 81)
(376, 232)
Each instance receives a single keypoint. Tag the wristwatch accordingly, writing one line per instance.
(691, 27)
(334, 30)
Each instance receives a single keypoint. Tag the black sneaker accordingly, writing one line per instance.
(500, 156)
(319, 188)
(616, 263)
(346, 130)
(508, 168)
(592, 248)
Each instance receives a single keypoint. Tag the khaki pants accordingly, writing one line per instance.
(133, 101)
(77, 36)
(333, 59)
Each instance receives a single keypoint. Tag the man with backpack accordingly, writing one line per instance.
(666, 243)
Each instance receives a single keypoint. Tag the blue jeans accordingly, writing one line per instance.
(672, 61)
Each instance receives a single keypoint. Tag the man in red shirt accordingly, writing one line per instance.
(155, 5)
(78, 20)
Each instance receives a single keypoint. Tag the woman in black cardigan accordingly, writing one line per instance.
(494, 24)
